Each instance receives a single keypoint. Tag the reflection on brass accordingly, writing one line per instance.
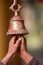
(16, 25)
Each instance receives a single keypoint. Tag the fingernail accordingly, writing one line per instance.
(20, 39)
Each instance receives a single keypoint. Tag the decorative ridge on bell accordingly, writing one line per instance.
(17, 18)
(16, 25)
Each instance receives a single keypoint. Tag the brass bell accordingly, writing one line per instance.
(16, 25)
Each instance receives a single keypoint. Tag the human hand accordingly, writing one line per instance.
(13, 46)
(22, 46)
(23, 53)
(12, 50)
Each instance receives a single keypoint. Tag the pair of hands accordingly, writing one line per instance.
(18, 47)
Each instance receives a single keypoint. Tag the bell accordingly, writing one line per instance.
(16, 26)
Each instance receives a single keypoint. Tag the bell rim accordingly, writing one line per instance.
(17, 32)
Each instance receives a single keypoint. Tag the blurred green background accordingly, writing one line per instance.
(32, 12)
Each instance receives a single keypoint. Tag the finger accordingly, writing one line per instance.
(12, 40)
(18, 42)
(23, 44)
(23, 40)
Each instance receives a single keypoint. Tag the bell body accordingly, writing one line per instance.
(16, 26)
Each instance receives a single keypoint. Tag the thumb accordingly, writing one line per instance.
(18, 42)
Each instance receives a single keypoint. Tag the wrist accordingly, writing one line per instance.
(7, 58)
(26, 57)
(9, 54)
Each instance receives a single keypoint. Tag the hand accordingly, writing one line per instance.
(12, 50)
(13, 47)
(27, 57)
(23, 46)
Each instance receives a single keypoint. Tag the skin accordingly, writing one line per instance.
(13, 50)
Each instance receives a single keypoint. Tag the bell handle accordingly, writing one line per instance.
(15, 1)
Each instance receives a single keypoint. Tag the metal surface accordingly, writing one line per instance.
(16, 25)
